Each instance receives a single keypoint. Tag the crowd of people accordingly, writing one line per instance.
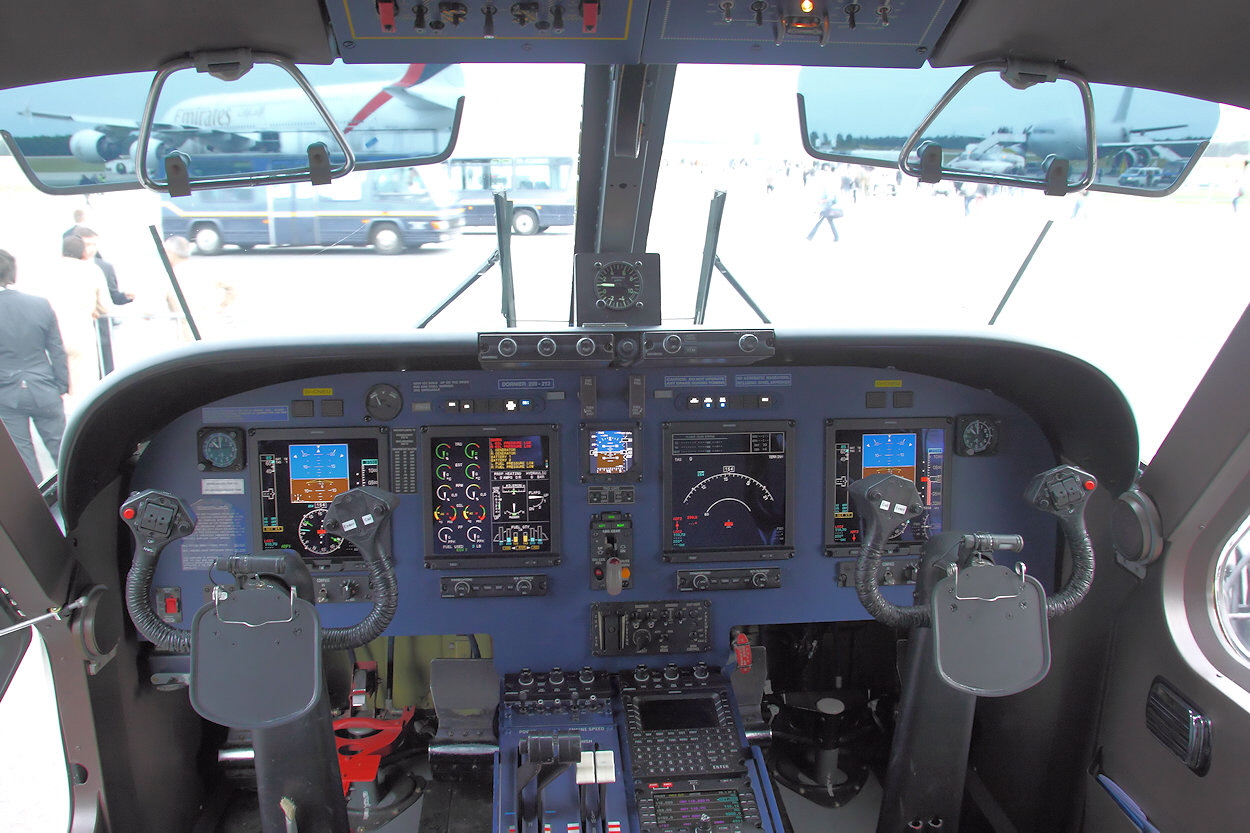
(56, 336)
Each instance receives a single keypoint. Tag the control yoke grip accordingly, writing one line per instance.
(361, 515)
(155, 518)
(1064, 492)
(884, 501)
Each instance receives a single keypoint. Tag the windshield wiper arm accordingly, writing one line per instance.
(711, 258)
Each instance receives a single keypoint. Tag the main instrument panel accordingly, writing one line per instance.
(594, 516)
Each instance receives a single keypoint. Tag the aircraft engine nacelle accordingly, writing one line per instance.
(1136, 156)
(157, 151)
(95, 147)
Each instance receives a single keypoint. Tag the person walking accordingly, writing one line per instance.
(34, 370)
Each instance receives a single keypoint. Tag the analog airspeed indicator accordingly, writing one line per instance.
(618, 285)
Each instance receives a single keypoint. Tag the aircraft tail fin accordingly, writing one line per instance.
(415, 74)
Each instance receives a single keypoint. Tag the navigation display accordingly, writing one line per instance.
(493, 496)
(299, 473)
(912, 448)
(727, 490)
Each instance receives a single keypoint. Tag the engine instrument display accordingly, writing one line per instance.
(726, 491)
(493, 496)
(913, 448)
(299, 473)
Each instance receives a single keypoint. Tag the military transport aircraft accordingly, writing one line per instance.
(795, 489)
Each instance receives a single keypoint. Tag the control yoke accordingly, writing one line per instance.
(886, 501)
(361, 515)
(155, 518)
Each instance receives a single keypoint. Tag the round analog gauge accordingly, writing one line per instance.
(220, 449)
(979, 435)
(314, 536)
(383, 402)
(617, 285)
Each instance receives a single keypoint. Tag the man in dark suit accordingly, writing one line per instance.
(34, 371)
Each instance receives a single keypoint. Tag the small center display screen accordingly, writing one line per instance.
(727, 491)
(611, 451)
(914, 449)
(300, 473)
(493, 498)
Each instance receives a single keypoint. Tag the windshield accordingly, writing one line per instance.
(1141, 288)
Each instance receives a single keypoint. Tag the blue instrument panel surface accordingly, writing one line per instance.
(540, 508)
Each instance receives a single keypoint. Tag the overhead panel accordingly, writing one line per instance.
(385, 31)
(872, 33)
(876, 33)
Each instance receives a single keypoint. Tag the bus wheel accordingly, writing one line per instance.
(387, 240)
(207, 240)
(525, 221)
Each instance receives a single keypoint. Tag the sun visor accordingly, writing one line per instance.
(228, 120)
(1007, 123)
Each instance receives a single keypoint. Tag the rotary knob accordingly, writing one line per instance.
(586, 676)
(556, 676)
(461, 589)
(700, 581)
(642, 673)
(641, 638)
(671, 672)
(525, 678)
(524, 586)
(700, 671)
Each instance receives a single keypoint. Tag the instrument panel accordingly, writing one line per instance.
(593, 515)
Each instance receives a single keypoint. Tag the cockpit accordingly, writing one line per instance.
(627, 417)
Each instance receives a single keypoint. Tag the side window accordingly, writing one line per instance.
(34, 786)
(1231, 590)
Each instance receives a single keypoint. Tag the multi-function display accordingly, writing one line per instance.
(493, 496)
(299, 473)
(912, 448)
(727, 491)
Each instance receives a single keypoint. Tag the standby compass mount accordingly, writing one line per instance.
(617, 288)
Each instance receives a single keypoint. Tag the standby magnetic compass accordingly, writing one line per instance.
(617, 288)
